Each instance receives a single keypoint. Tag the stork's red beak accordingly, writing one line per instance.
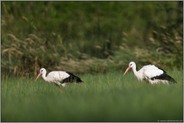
(128, 68)
(38, 76)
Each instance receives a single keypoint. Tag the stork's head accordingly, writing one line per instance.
(42, 71)
(131, 65)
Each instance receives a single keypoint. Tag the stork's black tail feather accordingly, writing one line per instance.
(72, 78)
(169, 78)
(165, 76)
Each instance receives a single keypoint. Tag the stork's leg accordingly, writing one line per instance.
(61, 88)
(63, 84)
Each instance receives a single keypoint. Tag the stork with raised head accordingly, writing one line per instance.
(151, 73)
(60, 78)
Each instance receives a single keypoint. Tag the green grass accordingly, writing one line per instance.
(102, 97)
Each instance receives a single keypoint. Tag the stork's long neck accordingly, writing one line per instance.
(135, 72)
(44, 76)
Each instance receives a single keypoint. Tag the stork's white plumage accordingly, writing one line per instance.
(151, 73)
(58, 77)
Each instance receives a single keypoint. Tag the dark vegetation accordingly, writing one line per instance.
(89, 36)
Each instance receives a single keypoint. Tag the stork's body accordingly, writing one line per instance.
(151, 73)
(58, 77)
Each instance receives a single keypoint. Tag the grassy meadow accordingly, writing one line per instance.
(102, 97)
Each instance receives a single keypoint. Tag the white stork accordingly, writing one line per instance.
(58, 77)
(151, 73)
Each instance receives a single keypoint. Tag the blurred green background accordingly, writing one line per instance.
(90, 36)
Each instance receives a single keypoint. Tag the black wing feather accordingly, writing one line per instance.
(72, 78)
(164, 76)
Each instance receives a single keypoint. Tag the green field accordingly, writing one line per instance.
(102, 97)
(93, 40)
